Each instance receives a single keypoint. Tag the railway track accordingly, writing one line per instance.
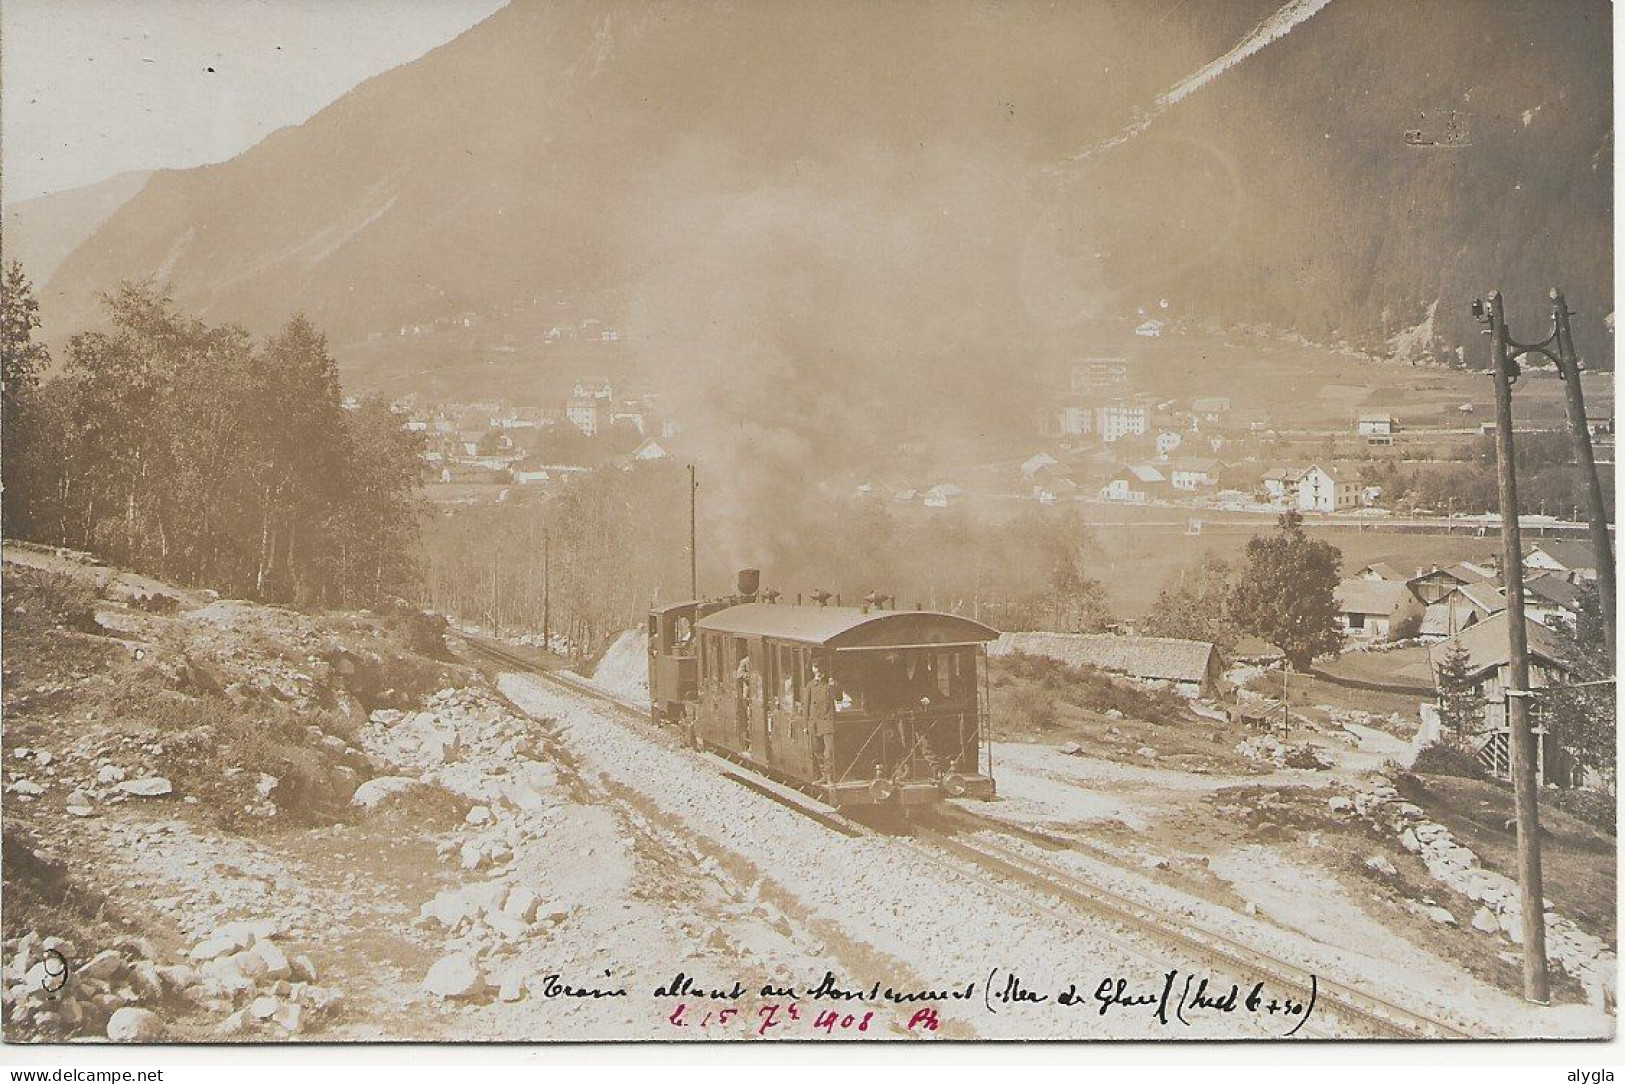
(942, 840)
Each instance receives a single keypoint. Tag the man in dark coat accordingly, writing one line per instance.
(819, 702)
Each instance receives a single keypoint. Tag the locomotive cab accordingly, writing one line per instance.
(673, 660)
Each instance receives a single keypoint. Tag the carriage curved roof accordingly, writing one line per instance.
(846, 626)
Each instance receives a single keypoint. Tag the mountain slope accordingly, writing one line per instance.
(889, 168)
(41, 232)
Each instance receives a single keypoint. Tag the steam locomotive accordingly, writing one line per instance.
(854, 705)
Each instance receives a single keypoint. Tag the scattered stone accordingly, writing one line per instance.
(455, 976)
(276, 964)
(235, 1024)
(109, 774)
(263, 1008)
(374, 792)
(1153, 861)
(290, 1016)
(1380, 864)
(1484, 921)
(1339, 804)
(133, 1025)
(104, 965)
(521, 904)
(153, 786)
(513, 988)
(27, 788)
(1442, 916)
(479, 815)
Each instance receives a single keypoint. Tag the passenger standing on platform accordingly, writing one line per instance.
(820, 705)
(743, 681)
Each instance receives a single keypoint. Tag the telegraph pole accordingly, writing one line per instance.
(693, 532)
(1570, 367)
(1522, 741)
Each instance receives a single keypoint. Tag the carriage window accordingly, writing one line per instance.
(789, 678)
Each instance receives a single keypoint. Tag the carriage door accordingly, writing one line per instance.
(759, 663)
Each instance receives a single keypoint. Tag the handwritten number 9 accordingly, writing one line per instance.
(56, 971)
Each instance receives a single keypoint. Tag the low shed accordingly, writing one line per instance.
(1191, 667)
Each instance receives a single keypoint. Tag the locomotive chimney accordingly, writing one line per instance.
(750, 581)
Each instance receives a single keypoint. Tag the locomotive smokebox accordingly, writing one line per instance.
(750, 581)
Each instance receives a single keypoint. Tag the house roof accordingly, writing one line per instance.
(1571, 555)
(1446, 618)
(1377, 416)
(1554, 589)
(1141, 472)
(1371, 596)
(845, 626)
(1487, 647)
(1284, 474)
(1156, 658)
(1039, 462)
(1193, 463)
(1485, 597)
(1385, 571)
(1210, 405)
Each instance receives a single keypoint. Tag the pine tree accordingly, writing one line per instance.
(1461, 709)
(22, 362)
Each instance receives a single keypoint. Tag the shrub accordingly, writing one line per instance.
(1036, 705)
(1597, 807)
(1443, 758)
(418, 632)
(41, 600)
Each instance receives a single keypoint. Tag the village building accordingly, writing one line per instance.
(1573, 561)
(1151, 329)
(1120, 419)
(648, 451)
(1210, 408)
(1383, 570)
(1436, 583)
(1327, 489)
(1041, 462)
(1192, 474)
(1281, 483)
(1377, 428)
(587, 414)
(942, 496)
(1168, 442)
(1489, 670)
(1137, 483)
(1192, 668)
(1375, 610)
(1549, 599)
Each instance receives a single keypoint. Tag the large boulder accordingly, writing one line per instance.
(134, 1025)
(455, 976)
(153, 786)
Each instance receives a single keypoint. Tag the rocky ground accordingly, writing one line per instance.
(228, 822)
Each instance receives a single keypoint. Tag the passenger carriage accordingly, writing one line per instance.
(910, 695)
